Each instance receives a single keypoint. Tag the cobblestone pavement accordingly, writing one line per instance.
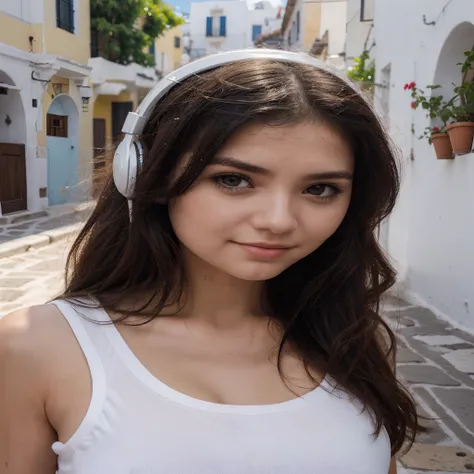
(435, 360)
(35, 223)
(436, 363)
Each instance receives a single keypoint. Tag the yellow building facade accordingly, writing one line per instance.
(168, 50)
(46, 142)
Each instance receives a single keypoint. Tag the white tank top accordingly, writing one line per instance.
(136, 424)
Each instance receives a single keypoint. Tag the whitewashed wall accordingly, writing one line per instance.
(333, 19)
(236, 26)
(357, 32)
(30, 11)
(266, 18)
(431, 233)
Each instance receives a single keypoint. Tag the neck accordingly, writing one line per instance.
(218, 299)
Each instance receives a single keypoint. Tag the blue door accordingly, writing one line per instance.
(62, 144)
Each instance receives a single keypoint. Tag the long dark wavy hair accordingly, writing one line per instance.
(328, 302)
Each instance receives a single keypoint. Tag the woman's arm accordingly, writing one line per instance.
(393, 466)
(25, 433)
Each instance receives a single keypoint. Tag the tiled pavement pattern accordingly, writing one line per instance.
(435, 360)
(27, 224)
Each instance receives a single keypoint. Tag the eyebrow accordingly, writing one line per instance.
(250, 168)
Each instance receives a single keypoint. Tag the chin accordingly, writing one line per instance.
(259, 272)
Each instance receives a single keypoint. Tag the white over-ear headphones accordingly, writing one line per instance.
(129, 154)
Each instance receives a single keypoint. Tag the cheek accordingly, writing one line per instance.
(197, 213)
(321, 226)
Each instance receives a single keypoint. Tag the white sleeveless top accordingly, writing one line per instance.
(136, 424)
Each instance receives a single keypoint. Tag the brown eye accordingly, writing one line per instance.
(323, 190)
(232, 181)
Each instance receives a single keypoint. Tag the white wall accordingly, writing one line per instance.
(16, 8)
(15, 65)
(296, 43)
(357, 32)
(431, 233)
(237, 25)
(12, 107)
(333, 19)
(264, 17)
(31, 11)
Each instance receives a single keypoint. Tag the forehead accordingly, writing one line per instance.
(308, 147)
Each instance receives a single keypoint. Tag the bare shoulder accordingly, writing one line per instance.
(29, 339)
(27, 334)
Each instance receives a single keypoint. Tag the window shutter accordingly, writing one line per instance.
(298, 20)
(223, 26)
(71, 16)
(209, 26)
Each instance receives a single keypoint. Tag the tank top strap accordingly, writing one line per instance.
(87, 324)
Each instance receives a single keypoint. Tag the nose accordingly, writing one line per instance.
(275, 214)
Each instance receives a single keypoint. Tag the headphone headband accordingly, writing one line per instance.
(136, 121)
(129, 153)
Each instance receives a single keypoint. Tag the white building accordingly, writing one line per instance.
(225, 25)
(45, 123)
(359, 29)
(316, 26)
(430, 236)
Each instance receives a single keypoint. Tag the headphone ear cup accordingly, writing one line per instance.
(125, 166)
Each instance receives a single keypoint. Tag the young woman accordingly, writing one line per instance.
(221, 307)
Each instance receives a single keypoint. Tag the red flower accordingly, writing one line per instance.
(405, 86)
(413, 105)
(435, 129)
(412, 85)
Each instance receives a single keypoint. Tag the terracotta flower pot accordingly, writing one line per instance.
(461, 135)
(442, 146)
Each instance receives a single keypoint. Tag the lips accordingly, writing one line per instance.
(263, 250)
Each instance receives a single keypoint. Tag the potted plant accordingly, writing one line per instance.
(437, 109)
(440, 141)
(461, 130)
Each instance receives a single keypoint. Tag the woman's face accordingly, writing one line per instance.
(271, 196)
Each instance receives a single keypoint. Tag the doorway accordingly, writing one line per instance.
(62, 127)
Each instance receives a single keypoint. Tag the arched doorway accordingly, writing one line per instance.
(62, 130)
(12, 147)
(447, 71)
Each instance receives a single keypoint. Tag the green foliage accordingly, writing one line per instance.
(459, 108)
(463, 100)
(435, 106)
(363, 69)
(126, 28)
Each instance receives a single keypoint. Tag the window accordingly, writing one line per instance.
(366, 10)
(216, 26)
(177, 42)
(256, 32)
(151, 49)
(298, 19)
(65, 15)
(94, 43)
(56, 125)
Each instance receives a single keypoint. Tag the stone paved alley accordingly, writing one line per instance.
(435, 359)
